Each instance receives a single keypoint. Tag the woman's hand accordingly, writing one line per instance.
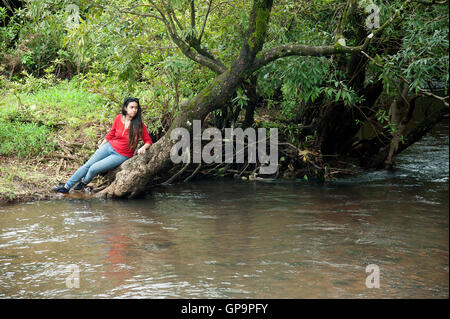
(143, 149)
(102, 143)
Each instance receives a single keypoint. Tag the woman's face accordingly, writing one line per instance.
(131, 109)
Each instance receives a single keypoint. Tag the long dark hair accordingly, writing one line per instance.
(135, 129)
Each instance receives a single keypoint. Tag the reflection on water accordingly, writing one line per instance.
(231, 239)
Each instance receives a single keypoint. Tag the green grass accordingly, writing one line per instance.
(30, 123)
(65, 103)
(70, 104)
(25, 139)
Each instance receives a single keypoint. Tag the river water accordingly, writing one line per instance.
(233, 239)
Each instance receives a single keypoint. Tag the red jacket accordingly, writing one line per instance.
(118, 137)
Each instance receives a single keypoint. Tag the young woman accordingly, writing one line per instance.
(118, 146)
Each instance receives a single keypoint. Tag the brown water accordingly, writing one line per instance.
(231, 239)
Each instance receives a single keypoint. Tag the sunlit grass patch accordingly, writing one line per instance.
(25, 139)
(65, 103)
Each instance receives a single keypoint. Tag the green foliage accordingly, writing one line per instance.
(25, 139)
(241, 98)
(423, 56)
(302, 80)
(8, 32)
(70, 103)
(32, 39)
(53, 104)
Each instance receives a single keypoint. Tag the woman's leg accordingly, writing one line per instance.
(99, 154)
(110, 162)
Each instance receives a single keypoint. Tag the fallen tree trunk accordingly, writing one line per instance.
(373, 153)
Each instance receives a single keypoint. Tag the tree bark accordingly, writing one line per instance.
(252, 103)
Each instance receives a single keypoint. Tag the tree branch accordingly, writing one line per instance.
(186, 48)
(420, 90)
(163, 17)
(338, 32)
(215, 65)
(301, 50)
(204, 21)
(170, 18)
(428, 3)
(305, 50)
(145, 15)
(129, 10)
(192, 15)
(255, 34)
(423, 128)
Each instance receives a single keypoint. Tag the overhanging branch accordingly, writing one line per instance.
(306, 50)
(190, 49)
(432, 2)
(204, 21)
(421, 91)
(192, 14)
(301, 50)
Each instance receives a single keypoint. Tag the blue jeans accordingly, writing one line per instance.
(105, 158)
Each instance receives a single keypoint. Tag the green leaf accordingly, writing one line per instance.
(338, 95)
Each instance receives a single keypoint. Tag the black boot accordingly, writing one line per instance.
(61, 188)
(80, 186)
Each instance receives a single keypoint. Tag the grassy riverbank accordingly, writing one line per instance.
(47, 129)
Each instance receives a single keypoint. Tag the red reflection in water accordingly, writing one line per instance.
(116, 260)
